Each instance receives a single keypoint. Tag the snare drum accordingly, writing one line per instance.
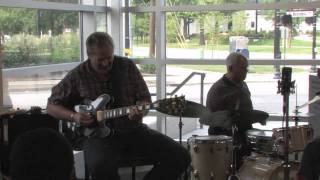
(260, 140)
(211, 156)
(299, 137)
(265, 168)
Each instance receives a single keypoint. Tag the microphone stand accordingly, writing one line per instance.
(285, 87)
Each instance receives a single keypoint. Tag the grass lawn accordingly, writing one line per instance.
(264, 46)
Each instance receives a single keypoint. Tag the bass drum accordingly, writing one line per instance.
(211, 157)
(264, 168)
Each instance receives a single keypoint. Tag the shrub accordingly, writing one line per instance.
(27, 50)
(148, 68)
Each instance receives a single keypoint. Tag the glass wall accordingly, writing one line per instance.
(84, 2)
(168, 42)
(138, 36)
(213, 35)
(35, 43)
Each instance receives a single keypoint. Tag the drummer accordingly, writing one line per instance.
(231, 93)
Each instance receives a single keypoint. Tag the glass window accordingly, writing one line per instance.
(61, 1)
(87, 2)
(262, 84)
(139, 36)
(101, 19)
(140, 2)
(100, 2)
(148, 72)
(213, 2)
(213, 35)
(36, 42)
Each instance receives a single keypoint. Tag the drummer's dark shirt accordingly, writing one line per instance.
(125, 85)
(225, 94)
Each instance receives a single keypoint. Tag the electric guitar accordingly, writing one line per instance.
(173, 105)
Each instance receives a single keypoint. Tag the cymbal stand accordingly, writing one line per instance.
(235, 146)
(296, 119)
(285, 86)
(296, 111)
(180, 124)
(180, 129)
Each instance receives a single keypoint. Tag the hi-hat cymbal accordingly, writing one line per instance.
(226, 119)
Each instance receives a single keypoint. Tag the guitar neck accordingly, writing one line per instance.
(123, 111)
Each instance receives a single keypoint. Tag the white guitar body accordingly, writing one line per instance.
(97, 105)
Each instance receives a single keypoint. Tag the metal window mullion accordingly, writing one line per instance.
(115, 25)
(82, 44)
(251, 62)
(160, 58)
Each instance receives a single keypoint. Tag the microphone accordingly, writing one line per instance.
(286, 79)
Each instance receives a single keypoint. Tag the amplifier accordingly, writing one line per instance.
(11, 126)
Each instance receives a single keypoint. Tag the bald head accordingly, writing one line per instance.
(237, 66)
(234, 58)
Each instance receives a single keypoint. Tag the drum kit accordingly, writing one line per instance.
(212, 156)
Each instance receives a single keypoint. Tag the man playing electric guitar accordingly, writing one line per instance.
(104, 73)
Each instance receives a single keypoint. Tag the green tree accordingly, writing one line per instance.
(57, 21)
(17, 20)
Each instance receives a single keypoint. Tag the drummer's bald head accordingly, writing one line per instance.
(234, 58)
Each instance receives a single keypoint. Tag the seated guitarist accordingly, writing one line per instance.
(105, 73)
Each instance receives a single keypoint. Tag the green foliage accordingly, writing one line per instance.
(140, 26)
(148, 68)
(57, 21)
(16, 20)
(30, 21)
(26, 50)
(22, 50)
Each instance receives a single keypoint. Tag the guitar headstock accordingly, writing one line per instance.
(172, 106)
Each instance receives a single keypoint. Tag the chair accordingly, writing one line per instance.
(129, 161)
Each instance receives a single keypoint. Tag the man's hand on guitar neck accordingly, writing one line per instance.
(83, 118)
(136, 114)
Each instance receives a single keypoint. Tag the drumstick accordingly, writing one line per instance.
(316, 98)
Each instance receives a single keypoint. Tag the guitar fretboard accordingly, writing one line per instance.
(123, 111)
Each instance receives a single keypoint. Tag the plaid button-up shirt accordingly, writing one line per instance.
(125, 85)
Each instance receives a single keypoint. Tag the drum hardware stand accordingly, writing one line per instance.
(180, 129)
(233, 175)
(180, 124)
(296, 119)
(285, 87)
(235, 145)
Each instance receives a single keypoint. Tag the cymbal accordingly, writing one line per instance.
(226, 119)
(193, 109)
(190, 110)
